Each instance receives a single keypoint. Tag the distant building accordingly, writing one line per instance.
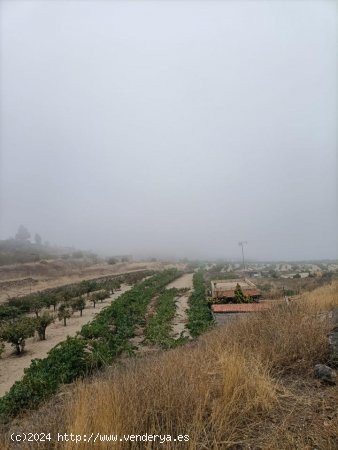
(223, 291)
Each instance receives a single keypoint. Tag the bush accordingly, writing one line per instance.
(9, 312)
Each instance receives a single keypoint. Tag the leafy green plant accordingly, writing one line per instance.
(17, 331)
(9, 312)
(159, 326)
(199, 314)
(240, 297)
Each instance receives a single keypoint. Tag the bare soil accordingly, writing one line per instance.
(181, 318)
(12, 366)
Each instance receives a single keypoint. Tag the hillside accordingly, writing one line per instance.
(14, 251)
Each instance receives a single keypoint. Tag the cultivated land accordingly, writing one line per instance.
(23, 279)
(179, 322)
(246, 386)
(98, 342)
(12, 367)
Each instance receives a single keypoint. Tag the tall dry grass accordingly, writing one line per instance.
(216, 390)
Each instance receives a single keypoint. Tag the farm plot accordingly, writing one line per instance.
(166, 327)
(97, 344)
(12, 367)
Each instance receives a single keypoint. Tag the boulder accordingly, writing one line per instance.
(335, 318)
(325, 374)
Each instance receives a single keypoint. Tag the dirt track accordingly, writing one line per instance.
(181, 319)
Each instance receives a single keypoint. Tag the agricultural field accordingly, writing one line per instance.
(245, 378)
(97, 342)
(147, 327)
(12, 367)
(26, 278)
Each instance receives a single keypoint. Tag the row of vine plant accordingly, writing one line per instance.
(200, 318)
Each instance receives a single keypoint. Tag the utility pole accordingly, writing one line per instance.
(242, 245)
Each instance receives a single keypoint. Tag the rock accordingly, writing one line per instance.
(335, 318)
(325, 374)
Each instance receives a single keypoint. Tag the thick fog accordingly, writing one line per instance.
(171, 128)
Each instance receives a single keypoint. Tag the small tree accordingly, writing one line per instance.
(93, 299)
(36, 304)
(67, 294)
(17, 331)
(42, 323)
(22, 234)
(52, 300)
(64, 313)
(79, 304)
(239, 295)
(37, 239)
(88, 286)
(102, 295)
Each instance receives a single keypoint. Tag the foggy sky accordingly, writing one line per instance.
(171, 128)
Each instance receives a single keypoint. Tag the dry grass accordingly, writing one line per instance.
(246, 385)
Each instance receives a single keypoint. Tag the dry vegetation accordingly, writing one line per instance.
(248, 385)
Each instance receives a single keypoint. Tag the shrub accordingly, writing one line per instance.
(9, 312)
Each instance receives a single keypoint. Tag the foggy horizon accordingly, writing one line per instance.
(171, 128)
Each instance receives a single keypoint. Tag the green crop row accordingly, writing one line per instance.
(159, 327)
(199, 314)
(98, 343)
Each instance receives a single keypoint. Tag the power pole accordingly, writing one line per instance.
(242, 245)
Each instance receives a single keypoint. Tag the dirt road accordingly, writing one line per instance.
(181, 318)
